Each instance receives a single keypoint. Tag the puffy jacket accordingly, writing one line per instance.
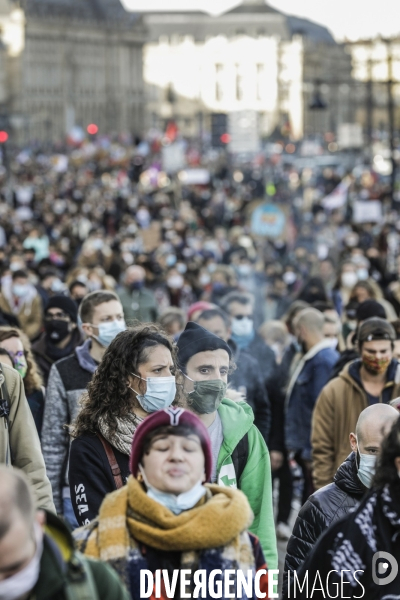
(20, 445)
(307, 382)
(335, 417)
(67, 382)
(324, 507)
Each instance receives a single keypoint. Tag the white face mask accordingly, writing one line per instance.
(24, 581)
(333, 342)
(366, 469)
(174, 503)
(349, 279)
(242, 327)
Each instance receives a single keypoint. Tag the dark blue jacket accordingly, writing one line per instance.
(314, 375)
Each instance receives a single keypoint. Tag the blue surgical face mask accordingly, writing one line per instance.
(175, 504)
(160, 393)
(366, 468)
(108, 331)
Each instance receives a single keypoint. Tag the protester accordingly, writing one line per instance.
(240, 455)
(102, 319)
(363, 311)
(19, 441)
(135, 378)
(18, 347)
(61, 334)
(246, 377)
(165, 518)
(20, 298)
(173, 321)
(364, 291)
(239, 307)
(306, 383)
(37, 555)
(138, 301)
(352, 479)
(77, 291)
(369, 380)
(347, 555)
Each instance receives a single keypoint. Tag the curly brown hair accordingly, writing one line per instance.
(32, 380)
(108, 398)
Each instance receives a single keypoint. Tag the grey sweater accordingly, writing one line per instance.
(67, 381)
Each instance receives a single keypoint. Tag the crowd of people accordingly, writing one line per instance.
(164, 369)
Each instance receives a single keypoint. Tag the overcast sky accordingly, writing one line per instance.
(345, 18)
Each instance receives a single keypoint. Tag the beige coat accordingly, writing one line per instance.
(335, 416)
(30, 315)
(21, 441)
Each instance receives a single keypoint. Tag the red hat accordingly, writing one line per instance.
(201, 305)
(170, 416)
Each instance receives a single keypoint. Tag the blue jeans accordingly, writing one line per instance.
(69, 515)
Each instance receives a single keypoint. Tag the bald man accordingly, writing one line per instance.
(311, 375)
(138, 301)
(352, 480)
(32, 562)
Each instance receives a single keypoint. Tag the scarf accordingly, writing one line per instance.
(128, 520)
(373, 527)
(122, 438)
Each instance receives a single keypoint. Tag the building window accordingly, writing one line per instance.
(239, 84)
(219, 91)
(260, 81)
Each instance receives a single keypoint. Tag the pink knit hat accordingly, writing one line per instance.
(171, 416)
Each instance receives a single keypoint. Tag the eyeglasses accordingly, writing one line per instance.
(58, 315)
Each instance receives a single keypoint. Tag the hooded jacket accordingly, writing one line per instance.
(335, 417)
(67, 382)
(58, 547)
(255, 482)
(324, 507)
(19, 444)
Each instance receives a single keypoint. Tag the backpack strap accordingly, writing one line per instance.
(5, 406)
(116, 471)
(80, 581)
(240, 456)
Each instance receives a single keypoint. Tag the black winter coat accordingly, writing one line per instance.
(247, 376)
(90, 475)
(326, 506)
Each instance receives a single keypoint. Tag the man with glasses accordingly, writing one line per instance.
(102, 318)
(61, 335)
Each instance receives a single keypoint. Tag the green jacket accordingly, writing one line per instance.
(55, 563)
(138, 304)
(237, 420)
(20, 445)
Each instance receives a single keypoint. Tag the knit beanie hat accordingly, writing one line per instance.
(171, 416)
(368, 309)
(195, 339)
(376, 329)
(66, 304)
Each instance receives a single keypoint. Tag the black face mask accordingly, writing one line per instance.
(57, 330)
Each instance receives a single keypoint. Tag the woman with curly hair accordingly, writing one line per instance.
(19, 348)
(134, 378)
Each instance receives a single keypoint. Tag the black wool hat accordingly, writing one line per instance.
(368, 309)
(195, 339)
(66, 304)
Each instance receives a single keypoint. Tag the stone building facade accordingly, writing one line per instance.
(80, 63)
(252, 57)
